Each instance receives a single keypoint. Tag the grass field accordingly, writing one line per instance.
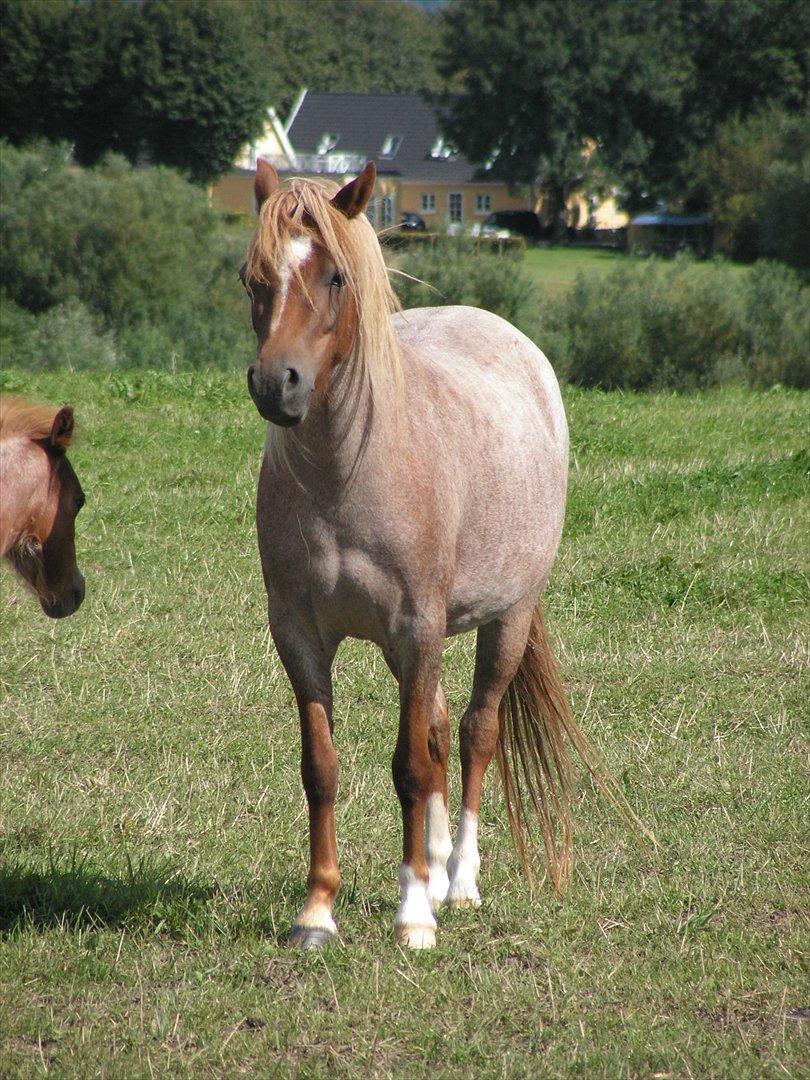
(152, 827)
(555, 269)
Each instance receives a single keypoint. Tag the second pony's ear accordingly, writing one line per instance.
(352, 199)
(62, 428)
(265, 183)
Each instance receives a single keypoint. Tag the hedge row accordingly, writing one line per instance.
(114, 265)
(119, 266)
(647, 324)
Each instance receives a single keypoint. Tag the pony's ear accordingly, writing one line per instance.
(352, 199)
(62, 428)
(265, 183)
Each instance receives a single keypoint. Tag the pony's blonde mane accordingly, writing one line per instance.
(25, 419)
(302, 207)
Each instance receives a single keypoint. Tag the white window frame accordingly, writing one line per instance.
(460, 219)
(391, 143)
(388, 208)
(428, 202)
(327, 141)
(480, 198)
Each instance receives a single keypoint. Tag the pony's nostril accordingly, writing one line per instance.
(251, 371)
(293, 378)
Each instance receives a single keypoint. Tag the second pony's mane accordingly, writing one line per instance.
(25, 419)
(303, 208)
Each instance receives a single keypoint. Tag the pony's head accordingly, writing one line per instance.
(319, 291)
(41, 498)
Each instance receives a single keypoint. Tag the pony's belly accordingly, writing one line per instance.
(467, 612)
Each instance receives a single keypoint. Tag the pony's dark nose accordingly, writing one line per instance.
(281, 397)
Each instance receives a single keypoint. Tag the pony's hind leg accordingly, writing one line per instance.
(500, 646)
(309, 669)
(438, 844)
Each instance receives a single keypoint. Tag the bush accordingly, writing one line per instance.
(66, 335)
(681, 325)
(140, 251)
(457, 270)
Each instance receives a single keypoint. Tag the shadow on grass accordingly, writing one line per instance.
(72, 895)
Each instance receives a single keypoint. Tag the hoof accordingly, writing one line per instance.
(415, 937)
(310, 937)
(462, 902)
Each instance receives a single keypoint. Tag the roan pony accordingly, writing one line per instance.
(412, 487)
(40, 496)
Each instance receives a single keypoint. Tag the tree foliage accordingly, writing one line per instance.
(757, 173)
(179, 82)
(187, 82)
(359, 45)
(647, 82)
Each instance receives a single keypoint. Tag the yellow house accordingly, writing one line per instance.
(335, 134)
(419, 172)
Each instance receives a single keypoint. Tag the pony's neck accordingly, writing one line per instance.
(328, 449)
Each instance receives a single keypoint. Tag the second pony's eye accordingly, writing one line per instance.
(338, 280)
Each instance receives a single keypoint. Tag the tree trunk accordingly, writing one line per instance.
(555, 190)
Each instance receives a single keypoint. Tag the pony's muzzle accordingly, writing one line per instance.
(68, 602)
(282, 397)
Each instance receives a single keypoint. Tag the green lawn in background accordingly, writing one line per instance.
(152, 826)
(555, 268)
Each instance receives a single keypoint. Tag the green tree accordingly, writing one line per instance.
(176, 82)
(538, 86)
(645, 82)
(360, 45)
(756, 174)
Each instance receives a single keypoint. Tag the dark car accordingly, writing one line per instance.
(412, 221)
(505, 223)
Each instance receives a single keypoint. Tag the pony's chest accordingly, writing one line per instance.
(329, 572)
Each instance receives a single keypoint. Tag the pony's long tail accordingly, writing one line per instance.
(536, 726)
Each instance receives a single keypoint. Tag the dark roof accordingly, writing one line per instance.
(362, 122)
(670, 219)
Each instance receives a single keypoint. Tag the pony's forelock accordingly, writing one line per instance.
(302, 207)
(26, 419)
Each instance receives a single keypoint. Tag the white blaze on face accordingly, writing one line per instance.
(464, 863)
(296, 252)
(438, 847)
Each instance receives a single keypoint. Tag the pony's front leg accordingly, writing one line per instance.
(414, 770)
(309, 669)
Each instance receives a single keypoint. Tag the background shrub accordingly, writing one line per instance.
(459, 270)
(644, 325)
(138, 253)
(680, 325)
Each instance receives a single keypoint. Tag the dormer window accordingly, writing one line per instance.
(390, 145)
(442, 150)
(328, 141)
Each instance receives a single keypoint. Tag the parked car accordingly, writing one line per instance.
(412, 221)
(506, 223)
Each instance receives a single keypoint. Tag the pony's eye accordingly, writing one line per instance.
(338, 280)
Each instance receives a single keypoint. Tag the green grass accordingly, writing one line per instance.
(152, 827)
(555, 269)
